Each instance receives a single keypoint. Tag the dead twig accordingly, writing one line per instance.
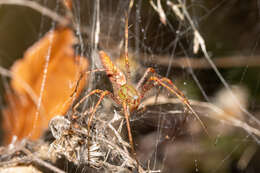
(36, 6)
(201, 63)
(27, 156)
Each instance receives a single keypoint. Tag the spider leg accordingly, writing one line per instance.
(96, 91)
(126, 50)
(168, 84)
(126, 114)
(102, 95)
(81, 76)
(145, 76)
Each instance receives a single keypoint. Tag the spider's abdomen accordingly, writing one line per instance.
(116, 76)
(130, 95)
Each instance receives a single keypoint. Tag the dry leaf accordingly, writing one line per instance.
(62, 73)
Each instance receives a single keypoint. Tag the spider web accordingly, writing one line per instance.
(208, 49)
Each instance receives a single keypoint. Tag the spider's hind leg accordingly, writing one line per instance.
(168, 84)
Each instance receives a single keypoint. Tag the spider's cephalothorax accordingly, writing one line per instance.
(128, 94)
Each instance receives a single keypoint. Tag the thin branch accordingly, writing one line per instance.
(159, 10)
(201, 63)
(42, 162)
(218, 113)
(36, 6)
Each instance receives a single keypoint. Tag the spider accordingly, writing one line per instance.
(126, 94)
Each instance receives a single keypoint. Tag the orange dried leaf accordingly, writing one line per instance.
(63, 72)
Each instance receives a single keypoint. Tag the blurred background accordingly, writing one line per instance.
(230, 29)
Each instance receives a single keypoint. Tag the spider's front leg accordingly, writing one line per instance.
(102, 94)
(145, 76)
(130, 137)
(168, 84)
